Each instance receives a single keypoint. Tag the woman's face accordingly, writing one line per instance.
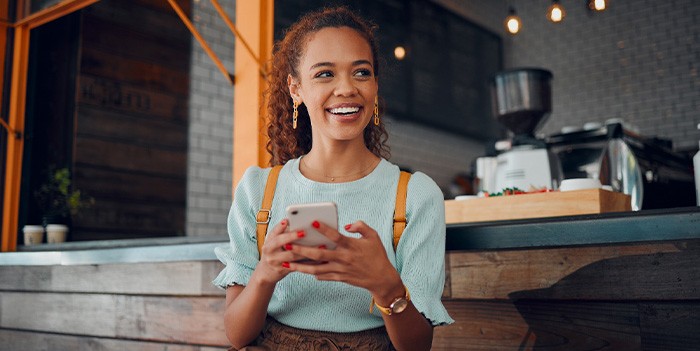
(337, 84)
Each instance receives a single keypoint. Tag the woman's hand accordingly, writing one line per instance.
(361, 262)
(276, 254)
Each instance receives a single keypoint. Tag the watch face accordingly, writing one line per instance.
(399, 305)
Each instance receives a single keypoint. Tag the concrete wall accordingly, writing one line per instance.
(637, 61)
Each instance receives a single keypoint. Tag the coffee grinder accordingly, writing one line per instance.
(522, 102)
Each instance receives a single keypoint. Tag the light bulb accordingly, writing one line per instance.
(512, 22)
(597, 5)
(556, 12)
(399, 52)
(513, 25)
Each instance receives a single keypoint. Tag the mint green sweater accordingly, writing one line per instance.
(299, 300)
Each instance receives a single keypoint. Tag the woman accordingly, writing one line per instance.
(326, 131)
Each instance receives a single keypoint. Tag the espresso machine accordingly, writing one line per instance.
(645, 168)
(522, 102)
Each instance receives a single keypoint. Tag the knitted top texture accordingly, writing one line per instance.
(301, 301)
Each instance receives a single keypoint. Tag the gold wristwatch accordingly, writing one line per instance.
(397, 306)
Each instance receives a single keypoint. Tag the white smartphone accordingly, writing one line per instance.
(301, 216)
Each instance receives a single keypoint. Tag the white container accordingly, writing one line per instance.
(33, 234)
(486, 173)
(56, 233)
(579, 184)
(696, 165)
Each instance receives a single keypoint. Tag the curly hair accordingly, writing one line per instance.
(285, 142)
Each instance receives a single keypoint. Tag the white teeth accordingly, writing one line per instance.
(344, 110)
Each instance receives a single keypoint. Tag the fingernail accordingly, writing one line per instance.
(300, 234)
(347, 226)
(285, 264)
(316, 224)
(322, 247)
(287, 247)
(284, 222)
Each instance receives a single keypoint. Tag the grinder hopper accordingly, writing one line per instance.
(522, 102)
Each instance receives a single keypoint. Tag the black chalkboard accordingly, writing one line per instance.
(443, 82)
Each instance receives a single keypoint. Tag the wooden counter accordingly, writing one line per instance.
(598, 282)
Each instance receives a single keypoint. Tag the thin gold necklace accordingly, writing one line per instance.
(333, 178)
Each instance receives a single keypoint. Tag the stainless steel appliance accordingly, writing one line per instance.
(522, 102)
(645, 168)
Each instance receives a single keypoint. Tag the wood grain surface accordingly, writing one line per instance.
(536, 205)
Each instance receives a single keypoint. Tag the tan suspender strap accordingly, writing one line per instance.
(400, 210)
(263, 217)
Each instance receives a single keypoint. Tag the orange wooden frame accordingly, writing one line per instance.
(18, 93)
(4, 25)
(200, 39)
(255, 21)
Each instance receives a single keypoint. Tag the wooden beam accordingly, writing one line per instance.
(37, 340)
(173, 319)
(649, 271)
(183, 278)
(255, 23)
(201, 41)
(13, 161)
(4, 12)
(53, 12)
(238, 35)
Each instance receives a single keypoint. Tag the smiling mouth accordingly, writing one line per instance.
(344, 111)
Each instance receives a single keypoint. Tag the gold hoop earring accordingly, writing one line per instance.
(295, 114)
(376, 111)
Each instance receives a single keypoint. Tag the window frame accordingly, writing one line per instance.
(21, 30)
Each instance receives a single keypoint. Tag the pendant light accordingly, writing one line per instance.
(512, 22)
(597, 5)
(556, 12)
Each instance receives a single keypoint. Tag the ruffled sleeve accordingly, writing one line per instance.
(420, 255)
(240, 255)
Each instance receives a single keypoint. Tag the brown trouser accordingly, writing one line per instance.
(279, 337)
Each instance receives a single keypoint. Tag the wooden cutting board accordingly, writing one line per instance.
(551, 204)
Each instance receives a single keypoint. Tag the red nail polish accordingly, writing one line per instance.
(300, 234)
(287, 247)
(316, 224)
(322, 247)
(284, 222)
(347, 226)
(285, 264)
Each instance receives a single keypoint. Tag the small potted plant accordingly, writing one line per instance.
(58, 201)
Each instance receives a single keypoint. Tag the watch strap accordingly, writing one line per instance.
(389, 310)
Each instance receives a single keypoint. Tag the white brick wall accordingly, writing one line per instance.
(211, 125)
